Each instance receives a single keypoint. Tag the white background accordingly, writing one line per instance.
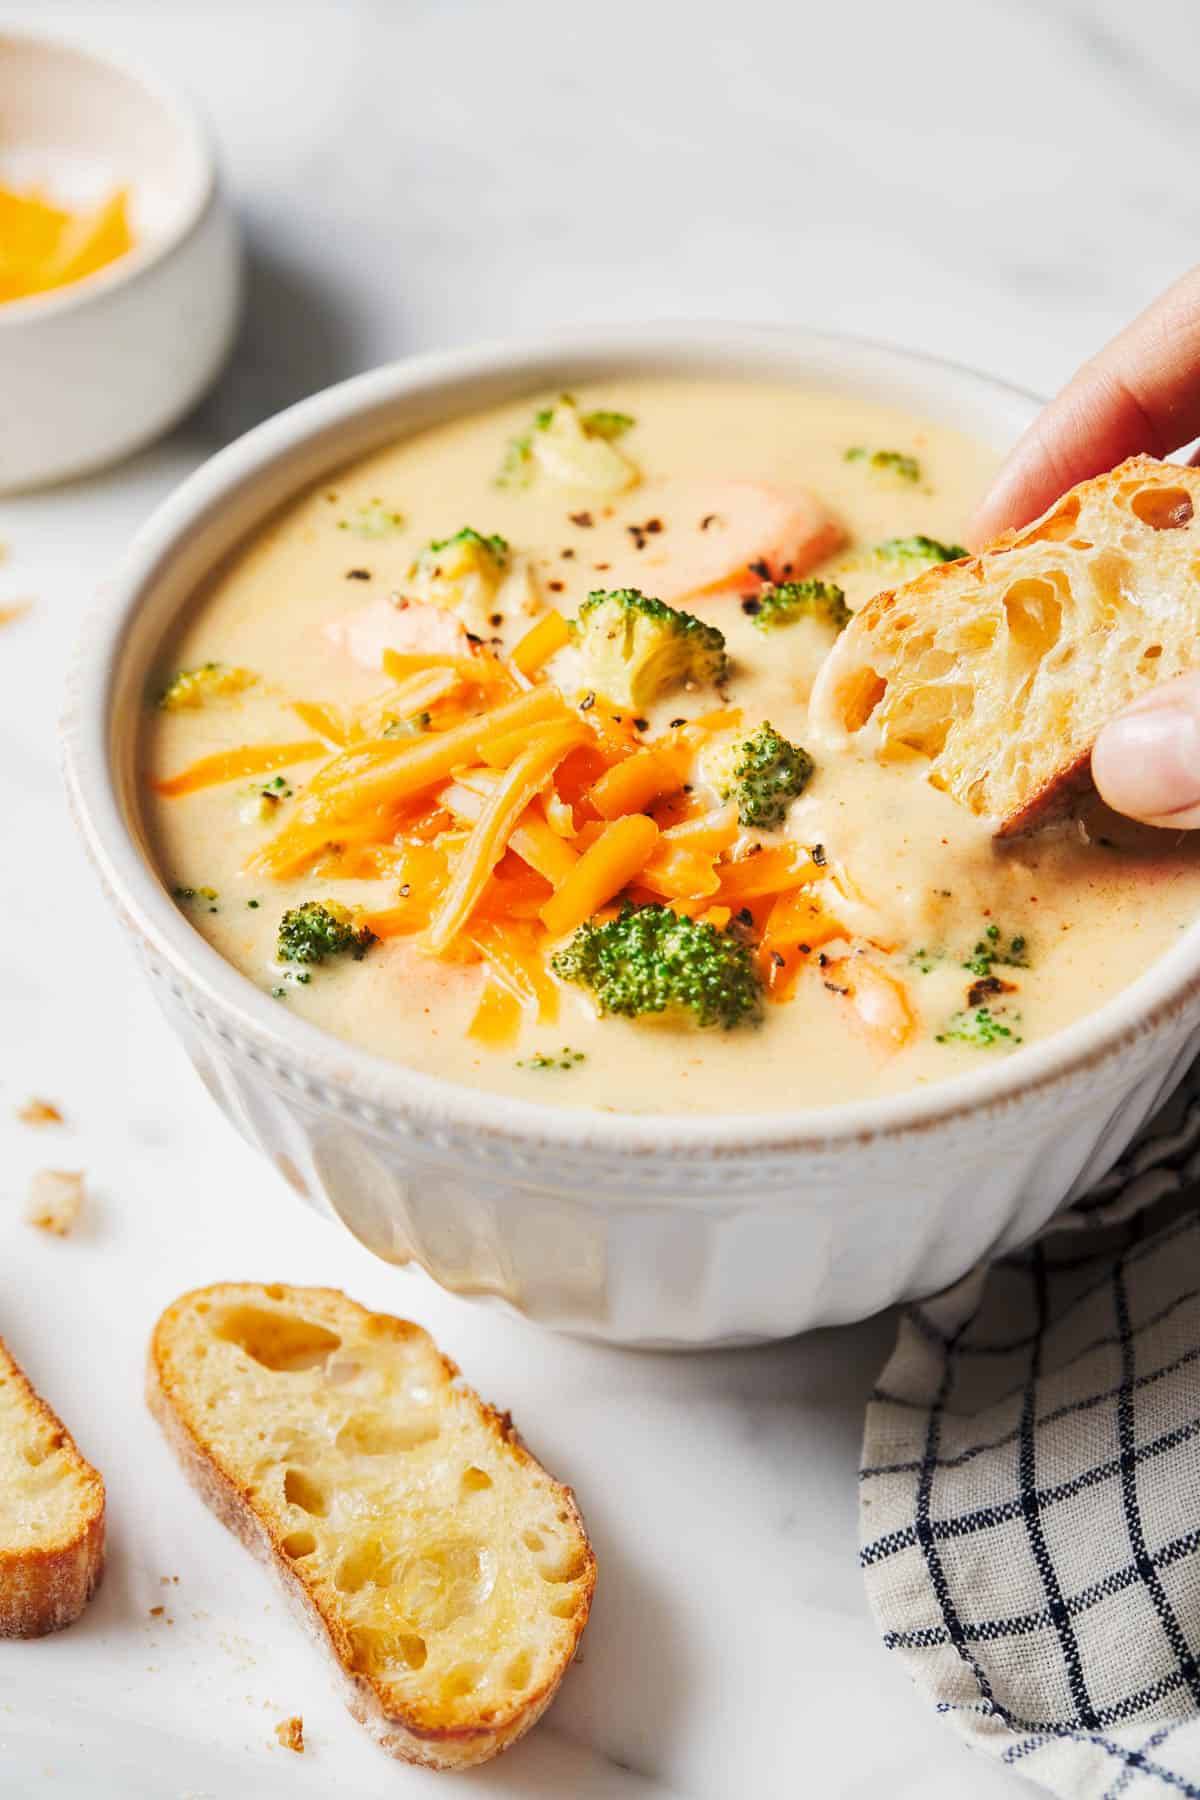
(1002, 183)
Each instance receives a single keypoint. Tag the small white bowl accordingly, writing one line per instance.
(93, 370)
(652, 1230)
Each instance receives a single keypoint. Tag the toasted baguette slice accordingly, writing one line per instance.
(447, 1573)
(51, 1514)
(1001, 669)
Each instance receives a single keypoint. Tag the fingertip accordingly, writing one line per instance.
(1146, 762)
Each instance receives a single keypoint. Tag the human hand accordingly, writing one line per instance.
(1140, 394)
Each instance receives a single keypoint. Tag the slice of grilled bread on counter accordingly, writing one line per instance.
(999, 670)
(51, 1514)
(445, 1571)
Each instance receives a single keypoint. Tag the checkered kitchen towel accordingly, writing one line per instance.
(1030, 1499)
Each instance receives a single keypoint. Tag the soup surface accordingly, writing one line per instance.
(863, 932)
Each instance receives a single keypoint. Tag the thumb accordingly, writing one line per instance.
(1146, 761)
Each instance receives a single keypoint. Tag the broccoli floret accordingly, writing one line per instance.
(321, 928)
(605, 424)
(374, 520)
(474, 542)
(636, 648)
(462, 573)
(992, 949)
(570, 447)
(210, 681)
(917, 549)
(763, 773)
(651, 960)
(784, 602)
(980, 1029)
(887, 462)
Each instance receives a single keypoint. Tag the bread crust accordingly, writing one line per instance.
(45, 1587)
(406, 1735)
(1102, 532)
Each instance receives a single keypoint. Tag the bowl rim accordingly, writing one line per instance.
(326, 1067)
(190, 125)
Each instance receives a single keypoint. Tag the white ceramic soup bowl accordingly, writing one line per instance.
(92, 370)
(648, 1230)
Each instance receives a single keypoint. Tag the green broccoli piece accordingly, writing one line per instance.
(763, 773)
(374, 520)
(607, 470)
(784, 602)
(887, 462)
(917, 549)
(196, 687)
(636, 648)
(321, 928)
(605, 424)
(980, 1029)
(992, 949)
(651, 960)
(473, 541)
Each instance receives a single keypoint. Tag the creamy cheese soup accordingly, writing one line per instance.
(363, 741)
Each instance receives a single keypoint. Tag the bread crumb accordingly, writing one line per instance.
(56, 1199)
(290, 1733)
(156, 1612)
(39, 1112)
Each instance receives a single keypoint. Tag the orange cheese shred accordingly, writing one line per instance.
(540, 643)
(234, 765)
(376, 778)
(610, 864)
(774, 871)
(43, 246)
(326, 721)
(515, 964)
(497, 1017)
(630, 786)
(489, 838)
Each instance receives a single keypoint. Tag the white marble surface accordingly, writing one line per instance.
(1001, 182)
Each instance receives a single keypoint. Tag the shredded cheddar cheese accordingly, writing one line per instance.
(44, 246)
(505, 814)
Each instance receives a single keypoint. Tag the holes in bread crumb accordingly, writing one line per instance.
(447, 1580)
(859, 696)
(567, 1568)
(474, 1480)
(1058, 527)
(1163, 509)
(279, 1341)
(371, 1434)
(533, 1540)
(563, 1607)
(1151, 653)
(1034, 614)
(518, 1671)
(299, 1489)
(364, 1566)
(921, 719)
(375, 1651)
(978, 632)
(274, 1291)
(462, 1679)
(298, 1544)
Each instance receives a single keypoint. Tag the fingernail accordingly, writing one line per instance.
(1147, 764)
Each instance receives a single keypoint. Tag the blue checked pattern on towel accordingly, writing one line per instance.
(1030, 1488)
